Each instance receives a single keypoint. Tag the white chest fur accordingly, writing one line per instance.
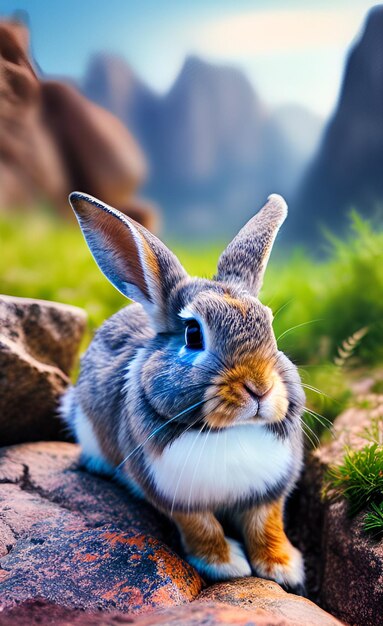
(220, 468)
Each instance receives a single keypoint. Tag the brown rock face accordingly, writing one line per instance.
(349, 564)
(53, 140)
(80, 542)
(39, 342)
(352, 584)
(193, 614)
(70, 564)
(30, 165)
(100, 154)
(265, 595)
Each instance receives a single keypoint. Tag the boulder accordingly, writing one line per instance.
(54, 140)
(267, 596)
(49, 473)
(30, 165)
(39, 342)
(352, 569)
(193, 614)
(67, 563)
(346, 565)
(79, 541)
(100, 155)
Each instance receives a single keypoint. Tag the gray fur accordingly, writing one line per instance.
(122, 258)
(135, 377)
(244, 260)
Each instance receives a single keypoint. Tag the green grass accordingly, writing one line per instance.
(377, 387)
(359, 479)
(334, 298)
(318, 306)
(373, 522)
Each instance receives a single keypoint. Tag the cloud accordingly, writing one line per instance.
(276, 31)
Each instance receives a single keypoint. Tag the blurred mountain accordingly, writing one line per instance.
(215, 152)
(347, 172)
(111, 83)
(301, 127)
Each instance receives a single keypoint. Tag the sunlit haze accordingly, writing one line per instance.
(292, 52)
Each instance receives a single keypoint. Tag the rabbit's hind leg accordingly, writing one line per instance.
(270, 552)
(212, 554)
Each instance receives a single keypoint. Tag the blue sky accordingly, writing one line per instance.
(291, 51)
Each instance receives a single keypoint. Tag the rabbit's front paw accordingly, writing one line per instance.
(287, 571)
(270, 552)
(236, 566)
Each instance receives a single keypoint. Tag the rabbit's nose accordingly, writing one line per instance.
(251, 390)
(256, 393)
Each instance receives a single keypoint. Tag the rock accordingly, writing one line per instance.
(348, 431)
(347, 566)
(346, 172)
(52, 331)
(256, 594)
(80, 541)
(193, 614)
(30, 165)
(39, 342)
(19, 510)
(51, 470)
(352, 585)
(65, 562)
(54, 140)
(100, 154)
(75, 545)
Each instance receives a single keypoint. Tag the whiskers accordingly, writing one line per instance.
(324, 422)
(157, 430)
(312, 415)
(318, 391)
(184, 465)
(205, 425)
(289, 330)
(310, 433)
(197, 464)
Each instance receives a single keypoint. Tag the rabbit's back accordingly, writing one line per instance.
(93, 409)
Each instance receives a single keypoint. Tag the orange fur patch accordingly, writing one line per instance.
(257, 371)
(150, 259)
(265, 537)
(240, 305)
(203, 536)
(227, 394)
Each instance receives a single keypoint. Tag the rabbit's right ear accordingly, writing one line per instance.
(138, 264)
(245, 258)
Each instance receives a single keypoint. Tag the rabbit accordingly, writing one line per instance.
(185, 397)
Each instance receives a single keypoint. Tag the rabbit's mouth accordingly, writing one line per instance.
(233, 399)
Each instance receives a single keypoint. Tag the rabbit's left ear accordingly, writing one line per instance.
(138, 264)
(245, 259)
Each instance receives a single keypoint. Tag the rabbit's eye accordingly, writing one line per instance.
(193, 335)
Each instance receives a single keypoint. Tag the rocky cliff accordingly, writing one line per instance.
(348, 169)
(53, 140)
